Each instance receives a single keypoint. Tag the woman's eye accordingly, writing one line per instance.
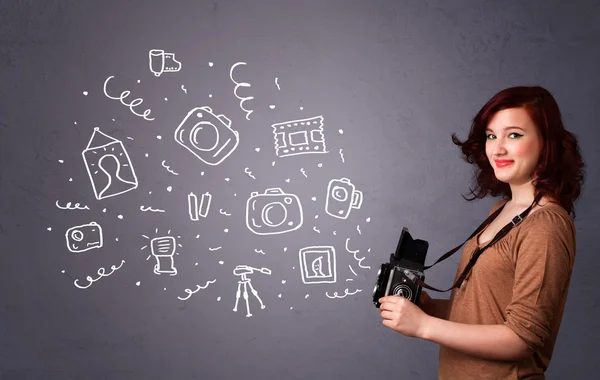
(490, 136)
(517, 135)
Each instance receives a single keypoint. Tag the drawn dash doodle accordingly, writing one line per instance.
(68, 206)
(237, 86)
(354, 253)
(247, 171)
(335, 294)
(151, 209)
(222, 212)
(198, 287)
(168, 168)
(134, 103)
(101, 273)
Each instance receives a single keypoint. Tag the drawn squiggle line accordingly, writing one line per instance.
(303, 172)
(354, 253)
(214, 249)
(259, 251)
(335, 294)
(238, 85)
(247, 171)
(184, 89)
(151, 209)
(69, 207)
(130, 138)
(101, 273)
(358, 229)
(223, 212)
(134, 103)
(352, 270)
(342, 155)
(168, 168)
(315, 228)
(198, 287)
(349, 279)
(277, 84)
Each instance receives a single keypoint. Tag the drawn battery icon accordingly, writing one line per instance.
(196, 210)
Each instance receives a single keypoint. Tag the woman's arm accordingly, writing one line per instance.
(492, 342)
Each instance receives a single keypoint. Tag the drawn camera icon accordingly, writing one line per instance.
(208, 136)
(342, 197)
(273, 212)
(84, 237)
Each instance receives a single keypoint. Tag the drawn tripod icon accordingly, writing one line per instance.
(243, 271)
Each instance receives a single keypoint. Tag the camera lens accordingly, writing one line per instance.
(339, 194)
(204, 136)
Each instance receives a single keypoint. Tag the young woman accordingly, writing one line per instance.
(503, 321)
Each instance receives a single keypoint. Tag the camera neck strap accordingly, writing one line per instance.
(515, 221)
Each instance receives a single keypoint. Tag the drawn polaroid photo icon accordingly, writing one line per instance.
(317, 264)
(84, 237)
(161, 62)
(303, 136)
(108, 166)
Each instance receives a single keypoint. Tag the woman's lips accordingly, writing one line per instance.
(503, 163)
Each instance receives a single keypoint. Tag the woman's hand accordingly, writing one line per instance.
(403, 316)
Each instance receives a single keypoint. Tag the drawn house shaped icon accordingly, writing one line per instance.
(108, 166)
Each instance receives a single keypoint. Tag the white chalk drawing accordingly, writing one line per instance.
(68, 206)
(243, 271)
(198, 287)
(303, 172)
(277, 84)
(84, 237)
(161, 62)
(196, 210)
(317, 264)
(259, 251)
(316, 230)
(304, 136)
(358, 229)
(247, 171)
(164, 249)
(273, 212)
(352, 270)
(342, 197)
(183, 89)
(207, 136)
(335, 294)
(354, 254)
(108, 166)
(349, 279)
(151, 209)
(168, 168)
(237, 86)
(101, 273)
(342, 156)
(222, 212)
(134, 103)
(214, 249)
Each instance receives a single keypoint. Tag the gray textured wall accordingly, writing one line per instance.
(391, 79)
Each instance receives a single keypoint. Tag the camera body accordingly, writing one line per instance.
(407, 264)
(273, 212)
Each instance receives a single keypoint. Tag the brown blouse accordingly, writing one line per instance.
(522, 282)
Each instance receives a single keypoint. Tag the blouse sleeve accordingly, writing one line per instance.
(544, 258)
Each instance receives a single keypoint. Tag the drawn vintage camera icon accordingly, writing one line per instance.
(342, 197)
(84, 237)
(208, 136)
(273, 212)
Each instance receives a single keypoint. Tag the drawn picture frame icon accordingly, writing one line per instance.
(273, 212)
(207, 136)
(318, 264)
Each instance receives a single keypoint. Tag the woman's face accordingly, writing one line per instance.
(513, 145)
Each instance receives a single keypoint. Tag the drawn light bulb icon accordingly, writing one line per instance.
(163, 249)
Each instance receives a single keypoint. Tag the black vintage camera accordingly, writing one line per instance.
(399, 275)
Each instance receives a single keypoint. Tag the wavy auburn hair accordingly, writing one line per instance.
(559, 171)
